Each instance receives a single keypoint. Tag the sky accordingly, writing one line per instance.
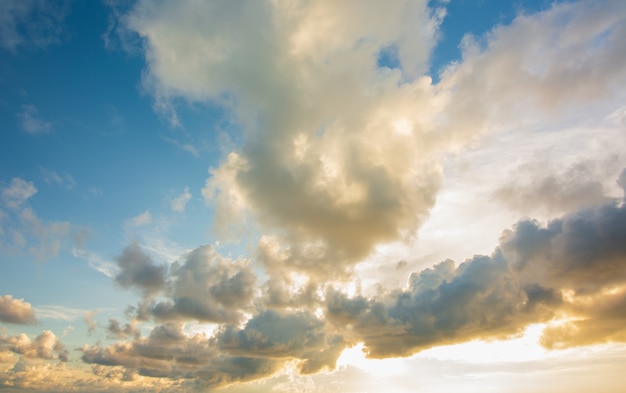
(312, 196)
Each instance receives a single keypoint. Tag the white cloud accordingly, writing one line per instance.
(31, 123)
(60, 312)
(63, 180)
(17, 193)
(178, 204)
(184, 146)
(142, 219)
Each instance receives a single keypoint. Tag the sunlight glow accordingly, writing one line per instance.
(521, 349)
(355, 357)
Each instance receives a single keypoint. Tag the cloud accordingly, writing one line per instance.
(16, 311)
(17, 193)
(28, 232)
(59, 312)
(258, 350)
(90, 322)
(205, 286)
(340, 155)
(63, 180)
(31, 123)
(168, 352)
(96, 262)
(137, 270)
(142, 219)
(578, 186)
(44, 346)
(27, 23)
(116, 330)
(572, 267)
(185, 147)
(178, 204)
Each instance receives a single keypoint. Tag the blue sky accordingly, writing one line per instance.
(291, 196)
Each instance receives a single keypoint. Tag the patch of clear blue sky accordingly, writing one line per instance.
(474, 17)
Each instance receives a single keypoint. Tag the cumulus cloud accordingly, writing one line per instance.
(339, 154)
(116, 330)
(16, 311)
(168, 352)
(205, 286)
(266, 342)
(44, 346)
(573, 267)
(137, 270)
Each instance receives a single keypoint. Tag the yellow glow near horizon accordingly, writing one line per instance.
(355, 357)
(524, 348)
(518, 349)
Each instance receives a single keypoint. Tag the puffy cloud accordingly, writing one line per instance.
(139, 271)
(267, 342)
(44, 346)
(573, 266)
(339, 153)
(339, 161)
(115, 329)
(16, 311)
(207, 287)
(168, 352)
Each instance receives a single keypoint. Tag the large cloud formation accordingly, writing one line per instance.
(340, 149)
(573, 267)
(341, 153)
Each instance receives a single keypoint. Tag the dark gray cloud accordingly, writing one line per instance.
(16, 311)
(117, 330)
(573, 266)
(137, 270)
(298, 335)
(205, 286)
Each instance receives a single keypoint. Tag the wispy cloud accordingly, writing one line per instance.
(194, 151)
(60, 313)
(32, 123)
(179, 203)
(141, 219)
(54, 178)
